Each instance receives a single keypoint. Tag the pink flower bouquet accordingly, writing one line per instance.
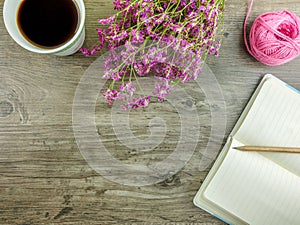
(168, 40)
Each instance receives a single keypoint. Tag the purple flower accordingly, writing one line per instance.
(139, 102)
(183, 2)
(85, 51)
(156, 55)
(143, 101)
(175, 27)
(186, 31)
(162, 90)
(120, 36)
(107, 21)
(137, 36)
(141, 69)
(111, 95)
(121, 4)
(201, 8)
(94, 50)
(134, 103)
(100, 35)
(116, 75)
(129, 88)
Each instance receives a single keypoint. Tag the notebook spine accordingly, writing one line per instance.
(292, 88)
(220, 218)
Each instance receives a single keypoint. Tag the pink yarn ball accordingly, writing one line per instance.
(275, 38)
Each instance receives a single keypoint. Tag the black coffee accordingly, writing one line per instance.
(48, 23)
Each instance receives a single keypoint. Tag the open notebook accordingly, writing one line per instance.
(259, 188)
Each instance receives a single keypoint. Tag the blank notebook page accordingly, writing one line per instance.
(260, 188)
(274, 119)
(256, 189)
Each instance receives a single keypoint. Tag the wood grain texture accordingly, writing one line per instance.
(44, 178)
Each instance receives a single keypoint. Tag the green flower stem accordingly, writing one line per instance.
(138, 83)
(111, 86)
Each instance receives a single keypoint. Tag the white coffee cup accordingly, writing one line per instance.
(10, 11)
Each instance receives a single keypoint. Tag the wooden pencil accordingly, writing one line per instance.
(268, 149)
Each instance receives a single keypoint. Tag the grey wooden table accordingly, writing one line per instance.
(44, 178)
